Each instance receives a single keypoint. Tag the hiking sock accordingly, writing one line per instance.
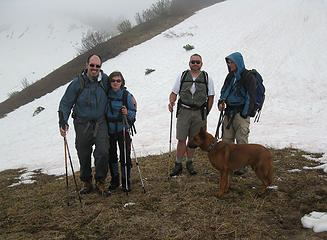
(179, 160)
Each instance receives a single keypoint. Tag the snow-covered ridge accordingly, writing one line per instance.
(38, 36)
(29, 47)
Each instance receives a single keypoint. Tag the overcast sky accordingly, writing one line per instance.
(11, 10)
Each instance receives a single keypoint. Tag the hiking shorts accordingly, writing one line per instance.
(189, 123)
(239, 129)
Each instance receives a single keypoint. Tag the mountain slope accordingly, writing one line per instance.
(34, 33)
(26, 44)
(107, 50)
(293, 114)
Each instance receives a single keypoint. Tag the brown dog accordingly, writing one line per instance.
(227, 157)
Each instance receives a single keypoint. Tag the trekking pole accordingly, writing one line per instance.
(136, 161)
(125, 157)
(63, 126)
(170, 133)
(138, 168)
(221, 119)
(257, 116)
(71, 165)
(66, 173)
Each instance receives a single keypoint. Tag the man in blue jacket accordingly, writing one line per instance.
(86, 95)
(235, 94)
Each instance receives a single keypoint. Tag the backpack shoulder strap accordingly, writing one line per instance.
(183, 77)
(101, 84)
(125, 103)
(206, 79)
(81, 84)
(125, 94)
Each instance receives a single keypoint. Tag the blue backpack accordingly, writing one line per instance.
(260, 95)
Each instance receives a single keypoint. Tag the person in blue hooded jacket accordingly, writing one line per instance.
(86, 95)
(235, 95)
(117, 112)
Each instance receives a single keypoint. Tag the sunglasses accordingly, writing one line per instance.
(92, 65)
(229, 63)
(114, 80)
(195, 61)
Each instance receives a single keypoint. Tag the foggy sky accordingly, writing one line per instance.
(87, 11)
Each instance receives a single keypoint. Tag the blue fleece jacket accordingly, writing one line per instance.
(232, 91)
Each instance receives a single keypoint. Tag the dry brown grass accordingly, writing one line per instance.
(184, 207)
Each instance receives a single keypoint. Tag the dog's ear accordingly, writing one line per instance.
(203, 131)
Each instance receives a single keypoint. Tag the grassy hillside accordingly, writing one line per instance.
(184, 207)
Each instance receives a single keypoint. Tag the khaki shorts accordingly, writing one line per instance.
(239, 129)
(189, 123)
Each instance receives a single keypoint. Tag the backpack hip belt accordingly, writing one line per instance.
(180, 104)
(89, 122)
(195, 108)
(231, 110)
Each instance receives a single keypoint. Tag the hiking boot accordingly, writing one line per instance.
(114, 183)
(190, 169)
(87, 188)
(240, 172)
(99, 187)
(176, 170)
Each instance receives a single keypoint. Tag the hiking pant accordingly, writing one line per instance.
(84, 143)
(113, 158)
(239, 129)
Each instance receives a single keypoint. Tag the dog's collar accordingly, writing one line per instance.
(212, 146)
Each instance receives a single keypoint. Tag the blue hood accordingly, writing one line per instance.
(237, 58)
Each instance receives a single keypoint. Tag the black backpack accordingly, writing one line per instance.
(259, 93)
